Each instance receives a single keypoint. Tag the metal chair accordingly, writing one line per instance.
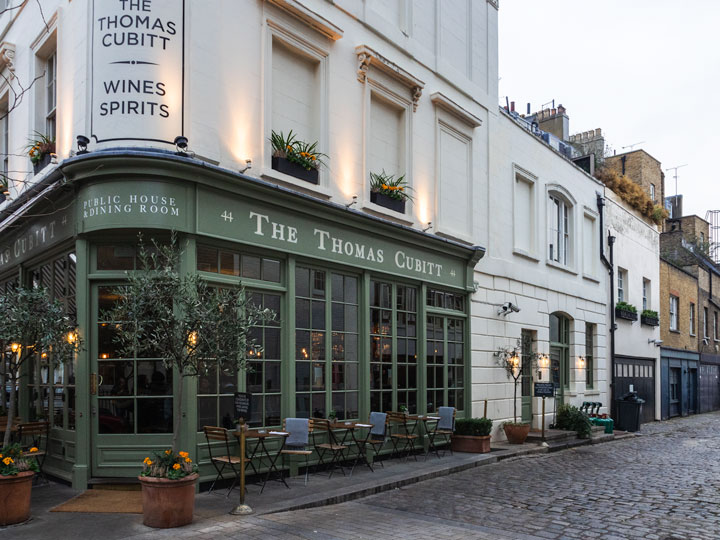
(404, 439)
(220, 434)
(35, 435)
(332, 446)
(376, 437)
(295, 444)
(444, 428)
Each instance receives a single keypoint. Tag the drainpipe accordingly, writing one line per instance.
(610, 265)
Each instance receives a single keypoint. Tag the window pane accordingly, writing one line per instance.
(116, 415)
(154, 415)
(115, 257)
(271, 270)
(207, 259)
(251, 267)
(229, 263)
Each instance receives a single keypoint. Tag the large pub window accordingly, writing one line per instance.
(310, 334)
(381, 344)
(52, 381)
(263, 379)
(344, 327)
(134, 393)
(6, 287)
(445, 350)
(406, 324)
(326, 317)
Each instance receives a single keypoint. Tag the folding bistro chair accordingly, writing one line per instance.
(404, 439)
(35, 435)
(220, 462)
(332, 446)
(295, 444)
(376, 437)
(444, 428)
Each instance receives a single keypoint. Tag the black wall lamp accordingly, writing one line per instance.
(82, 144)
(181, 144)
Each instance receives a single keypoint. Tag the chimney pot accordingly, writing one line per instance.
(512, 106)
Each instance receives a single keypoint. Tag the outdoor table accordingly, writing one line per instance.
(259, 450)
(349, 428)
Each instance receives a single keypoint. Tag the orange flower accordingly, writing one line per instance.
(147, 461)
(167, 452)
(176, 466)
(33, 450)
(188, 460)
(8, 461)
(183, 454)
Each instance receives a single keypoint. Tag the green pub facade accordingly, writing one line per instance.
(371, 315)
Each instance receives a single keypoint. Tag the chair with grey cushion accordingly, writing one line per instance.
(376, 437)
(444, 428)
(295, 444)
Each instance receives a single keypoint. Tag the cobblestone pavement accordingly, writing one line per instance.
(662, 485)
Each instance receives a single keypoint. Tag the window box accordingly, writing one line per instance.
(626, 314)
(42, 163)
(283, 165)
(650, 321)
(388, 202)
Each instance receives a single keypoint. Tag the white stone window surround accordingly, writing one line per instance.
(308, 45)
(592, 272)
(559, 192)
(520, 174)
(378, 75)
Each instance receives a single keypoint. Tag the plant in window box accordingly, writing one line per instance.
(183, 321)
(294, 157)
(388, 191)
(332, 415)
(650, 317)
(41, 149)
(17, 469)
(626, 311)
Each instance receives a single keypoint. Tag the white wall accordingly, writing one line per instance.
(637, 251)
(230, 82)
(516, 269)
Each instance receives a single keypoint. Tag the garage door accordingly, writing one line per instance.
(709, 387)
(640, 373)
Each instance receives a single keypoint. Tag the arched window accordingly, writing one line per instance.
(559, 214)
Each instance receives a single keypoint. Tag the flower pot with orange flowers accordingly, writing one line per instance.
(41, 149)
(168, 489)
(17, 469)
(388, 191)
(296, 158)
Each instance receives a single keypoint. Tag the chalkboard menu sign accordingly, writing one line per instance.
(242, 405)
(544, 389)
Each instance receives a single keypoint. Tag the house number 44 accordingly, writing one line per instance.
(227, 216)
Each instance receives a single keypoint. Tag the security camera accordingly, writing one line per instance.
(507, 308)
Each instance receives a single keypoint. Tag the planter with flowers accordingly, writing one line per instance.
(388, 191)
(294, 157)
(649, 317)
(17, 469)
(41, 149)
(168, 489)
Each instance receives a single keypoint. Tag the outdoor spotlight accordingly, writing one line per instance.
(181, 144)
(82, 144)
(581, 362)
(248, 165)
(354, 201)
(428, 226)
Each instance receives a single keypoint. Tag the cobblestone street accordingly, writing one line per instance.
(662, 485)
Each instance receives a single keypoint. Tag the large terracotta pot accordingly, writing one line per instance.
(15, 498)
(477, 444)
(168, 503)
(516, 433)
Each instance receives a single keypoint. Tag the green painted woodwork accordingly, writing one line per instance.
(201, 195)
(42, 234)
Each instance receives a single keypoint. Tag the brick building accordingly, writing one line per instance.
(642, 169)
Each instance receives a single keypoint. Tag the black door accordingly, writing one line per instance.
(692, 390)
(640, 374)
(709, 387)
(675, 392)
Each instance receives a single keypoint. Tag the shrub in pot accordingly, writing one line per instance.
(17, 469)
(168, 489)
(388, 191)
(570, 418)
(509, 359)
(472, 435)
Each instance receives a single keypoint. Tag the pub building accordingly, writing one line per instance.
(371, 316)
(172, 133)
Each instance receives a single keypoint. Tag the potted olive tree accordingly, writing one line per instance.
(188, 324)
(471, 435)
(509, 359)
(30, 324)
